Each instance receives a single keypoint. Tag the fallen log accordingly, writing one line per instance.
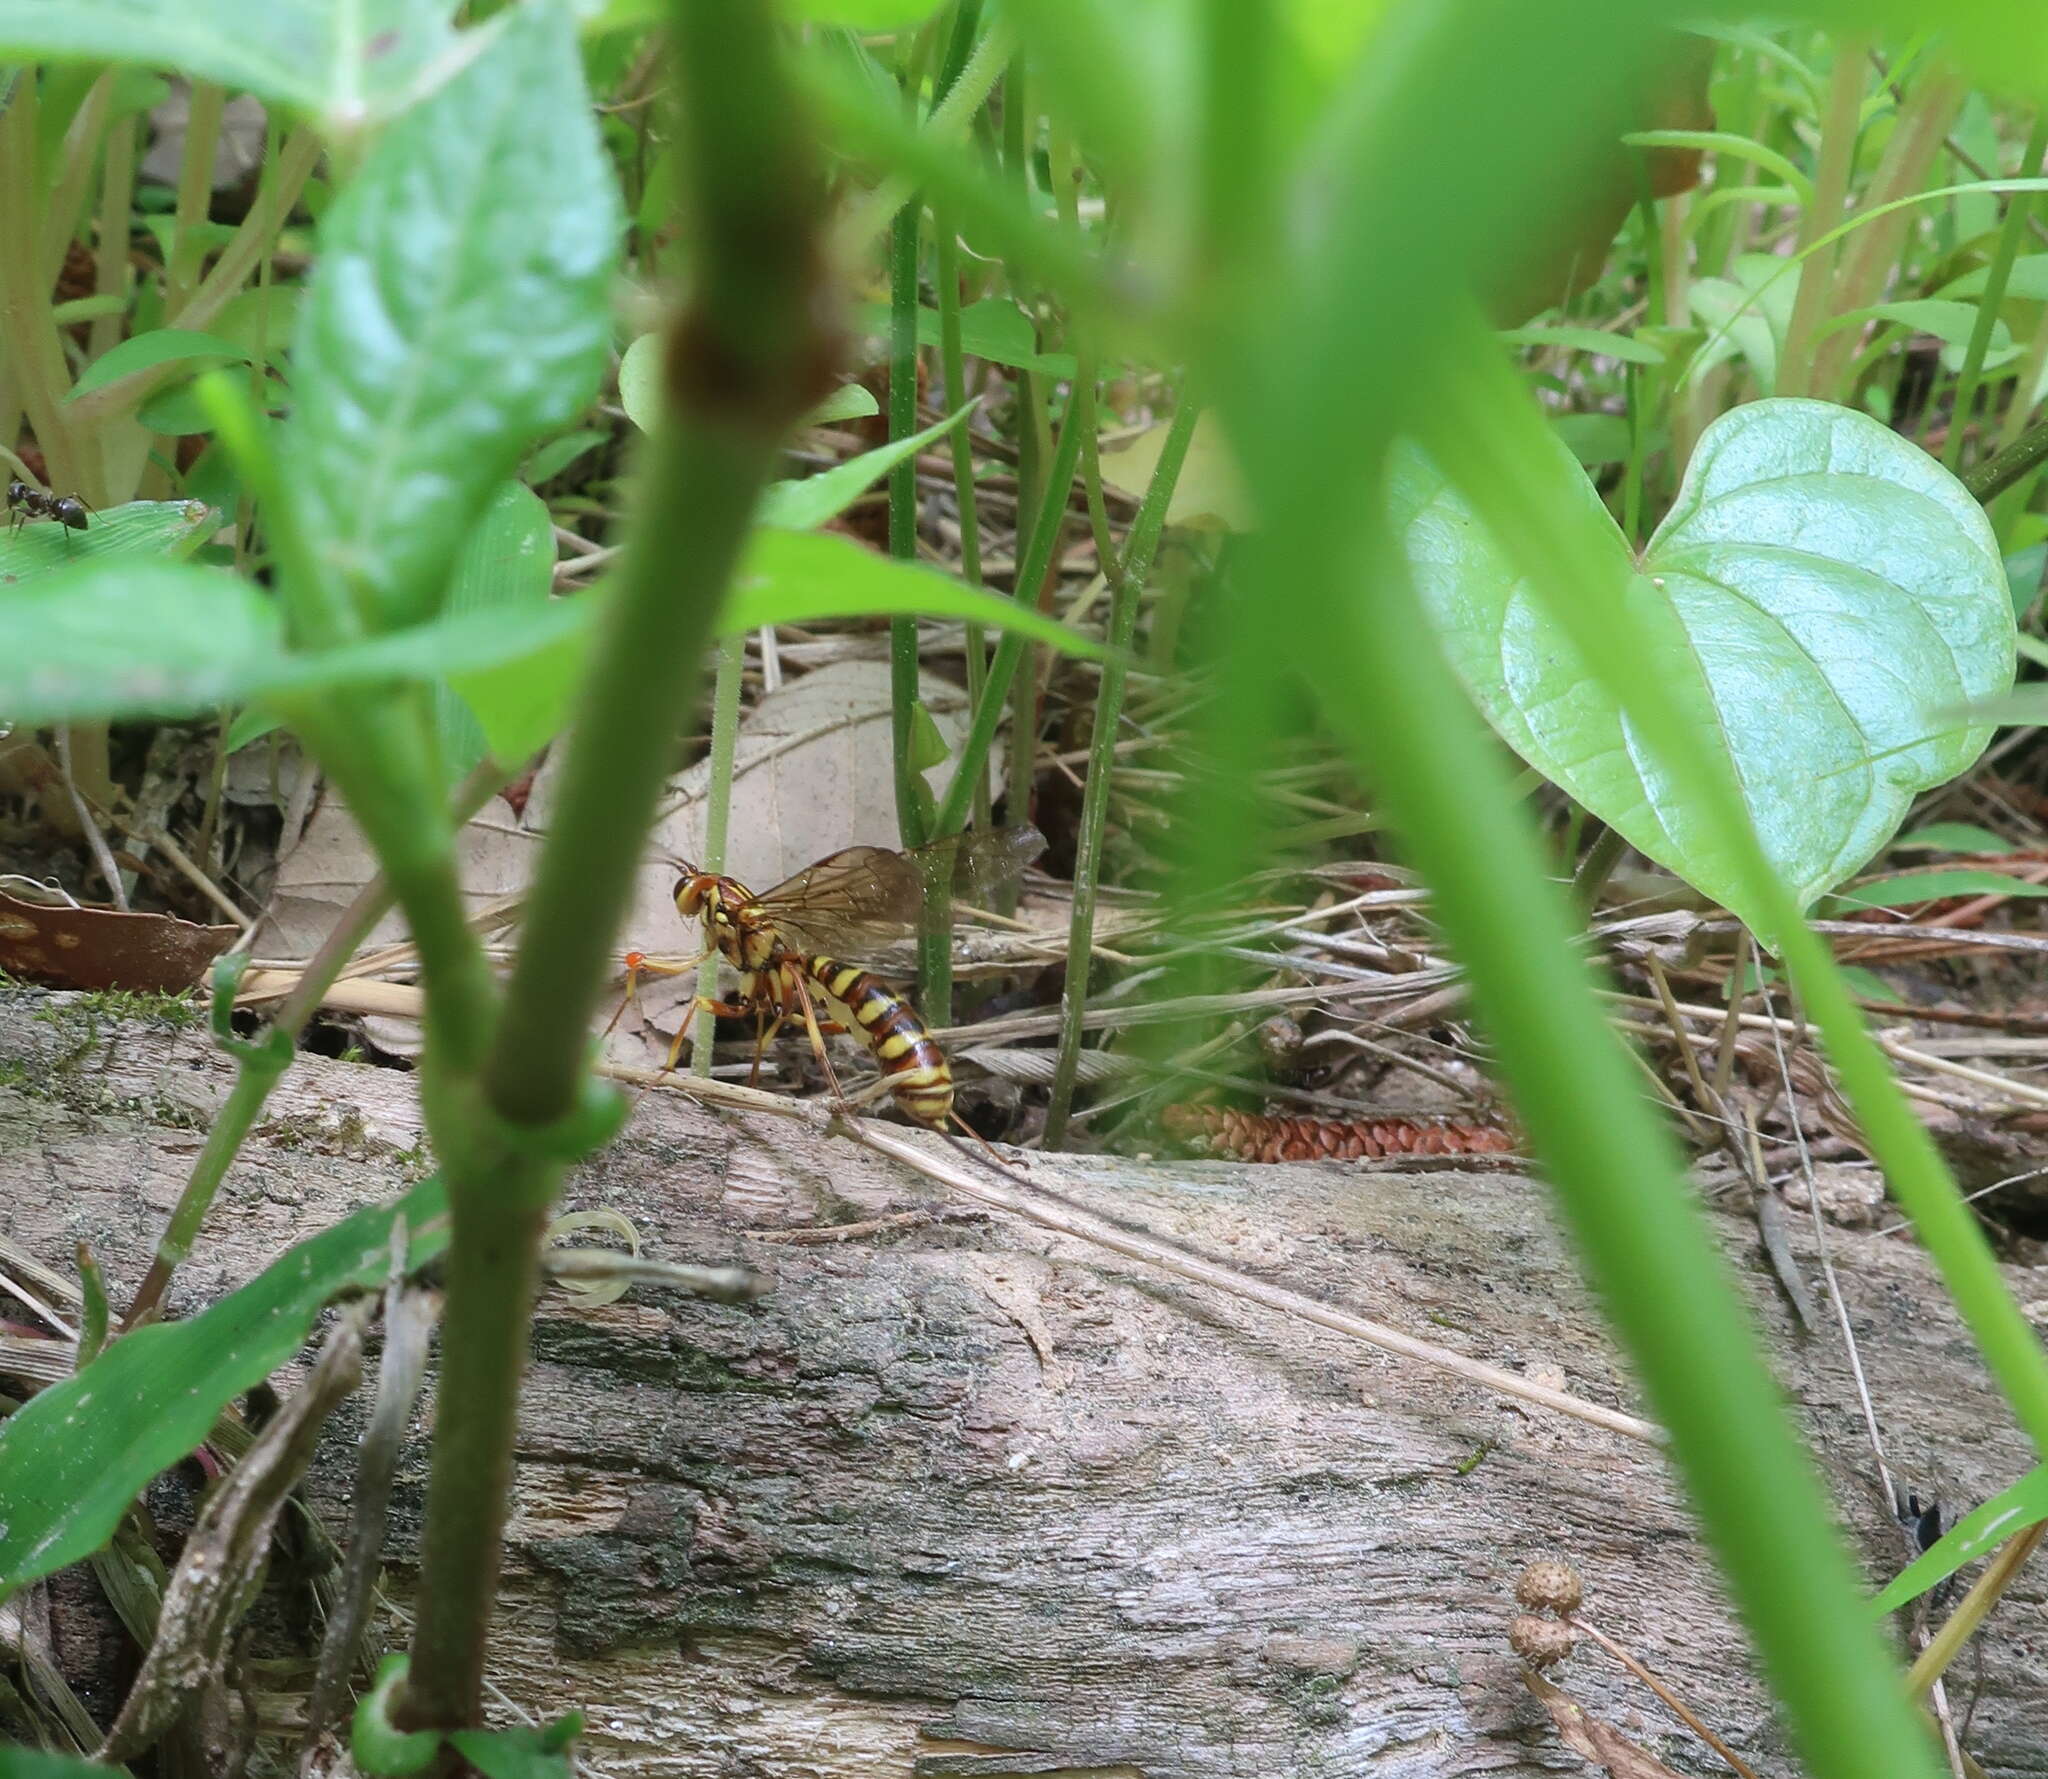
(964, 1495)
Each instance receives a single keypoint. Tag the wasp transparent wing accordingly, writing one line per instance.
(867, 898)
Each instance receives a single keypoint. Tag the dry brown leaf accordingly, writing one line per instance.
(101, 948)
(1598, 1741)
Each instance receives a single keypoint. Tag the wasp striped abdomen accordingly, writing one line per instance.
(920, 1079)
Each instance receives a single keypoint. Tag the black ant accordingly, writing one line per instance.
(26, 502)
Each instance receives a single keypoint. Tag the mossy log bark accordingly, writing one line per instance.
(961, 1497)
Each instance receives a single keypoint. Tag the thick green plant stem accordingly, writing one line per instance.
(981, 732)
(903, 516)
(725, 736)
(743, 364)
(2019, 209)
(1139, 550)
(1353, 345)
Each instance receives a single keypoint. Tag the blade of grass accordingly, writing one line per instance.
(2018, 210)
(1139, 549)
(1840, 128)
(1031, 572)
(725, 732)
(903, 665)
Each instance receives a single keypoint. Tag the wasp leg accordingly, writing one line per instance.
(764, 1035)
(638, 964)
(817, 1030)
(702, 1004)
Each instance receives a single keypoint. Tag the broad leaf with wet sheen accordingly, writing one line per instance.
(346, 60)
(1821, 594)
(458, 314)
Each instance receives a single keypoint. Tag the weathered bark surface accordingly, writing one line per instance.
(967, 1498)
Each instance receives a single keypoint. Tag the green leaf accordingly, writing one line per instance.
(865, 15)
(459, 310)
(1585, 339)
(1975, 1535)
(2027, 281)
(1952, 837)
(1949, 322)
(1818, 591)
(171, 639)
(2023, 577)
(163, 345)
(1746, 314)
(177, 412)
(850, 401)
(806, 504)
(508, 563)
(640, 391)
(1910, 888)
(141, 528)
(126, 638)
(785, 577)
(1593, 439)
(352, 60)
(801, 577)
(552, 458)
(37, 1763)
(249, 727)
(1868, 985)
(994, 329)
(76, 1454)
(518, 1753)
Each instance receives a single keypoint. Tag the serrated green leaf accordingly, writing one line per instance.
(137, 529)
(806, 504)
(351, 60)
(459, 310)
(1975, 1535)
(141, 352)
(76, 1454)
(508, 564)
(1819, 591)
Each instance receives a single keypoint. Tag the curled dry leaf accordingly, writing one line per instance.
(221, 1568)
(70, 946)
(1600, 1742)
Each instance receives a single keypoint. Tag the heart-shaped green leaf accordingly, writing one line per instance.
(1819, 592)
